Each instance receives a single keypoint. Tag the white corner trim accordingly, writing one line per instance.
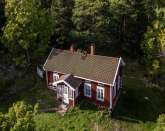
(47, 58)
(117, 69)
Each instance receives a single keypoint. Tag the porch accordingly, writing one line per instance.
(67, 89)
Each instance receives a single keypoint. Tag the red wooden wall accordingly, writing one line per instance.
(93, 98)
(106, 101)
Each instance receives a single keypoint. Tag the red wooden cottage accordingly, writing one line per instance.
(74, 75)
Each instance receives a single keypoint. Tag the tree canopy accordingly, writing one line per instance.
(27, 31)
(128, 27)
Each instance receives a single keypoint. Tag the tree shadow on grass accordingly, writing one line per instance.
(139, 103)
(86, 105)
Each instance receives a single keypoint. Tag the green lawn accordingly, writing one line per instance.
(84, 117)
(36, 92)
(133, 112)
(137, 109)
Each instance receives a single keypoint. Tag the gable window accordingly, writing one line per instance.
(55, 76)
(87, 89)
(100, 93)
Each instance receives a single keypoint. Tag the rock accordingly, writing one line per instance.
(146, 98)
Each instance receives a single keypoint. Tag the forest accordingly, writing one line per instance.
(133, 29)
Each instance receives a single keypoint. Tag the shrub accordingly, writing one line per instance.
(20, 117)
(160, 126)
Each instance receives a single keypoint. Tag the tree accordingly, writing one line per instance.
(160, 125)
(19, 118)
(153, 44)
(2, 17)
(27, 31)
(61, 11)
(91, 19)
(2, 21)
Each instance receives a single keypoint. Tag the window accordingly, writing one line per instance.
(100, 93)
(65, 90)
(55, 76)
(70, 93)
(87, 89)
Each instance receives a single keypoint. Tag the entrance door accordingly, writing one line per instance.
(65, 94)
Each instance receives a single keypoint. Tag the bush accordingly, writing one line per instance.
(160, 126)
(20, 117)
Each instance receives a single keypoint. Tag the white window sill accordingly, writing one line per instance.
(102, 100)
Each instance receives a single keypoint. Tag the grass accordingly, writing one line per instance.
(140, 103)
(133, 112)
(36, 92)
(76, 119)
(40, 94)
(137, 109)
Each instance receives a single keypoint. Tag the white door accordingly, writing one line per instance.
(65, 94)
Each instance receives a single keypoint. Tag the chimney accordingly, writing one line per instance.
(72, 48)
(92, 47)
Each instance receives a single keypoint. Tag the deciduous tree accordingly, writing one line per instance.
(61, 11)
(91, 19)
(153, 44)
(27, 31)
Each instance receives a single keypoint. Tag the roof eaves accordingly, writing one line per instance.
(60, 81)
(47, 58)
(116, 71)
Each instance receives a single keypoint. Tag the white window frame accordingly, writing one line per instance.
(100, 88)
(87, 85)
(55, 75)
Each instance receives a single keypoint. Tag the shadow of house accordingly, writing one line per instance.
(86, 105)
(139, 103)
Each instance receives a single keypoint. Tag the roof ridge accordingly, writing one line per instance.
(67, 51)
(94, 67)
